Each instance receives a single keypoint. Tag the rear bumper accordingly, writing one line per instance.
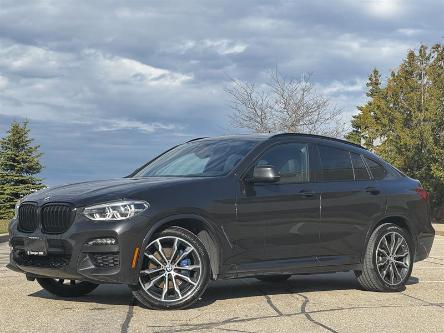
(70, 257)
(424, 244)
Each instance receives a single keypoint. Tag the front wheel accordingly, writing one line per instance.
(388, 259)
(67, 288)
(175, 270)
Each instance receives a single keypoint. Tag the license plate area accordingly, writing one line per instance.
(36, 246)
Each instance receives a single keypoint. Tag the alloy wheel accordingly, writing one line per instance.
(171, 269)
(393, 258)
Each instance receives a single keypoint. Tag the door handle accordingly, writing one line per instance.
(372, 190)
(306, 194)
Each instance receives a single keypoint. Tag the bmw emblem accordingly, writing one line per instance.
(46, 199)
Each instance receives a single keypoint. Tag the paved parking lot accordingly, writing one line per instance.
(317, 303)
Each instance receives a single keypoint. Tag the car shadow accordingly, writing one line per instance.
(113, 294)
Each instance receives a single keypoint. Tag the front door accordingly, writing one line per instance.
(287, 210)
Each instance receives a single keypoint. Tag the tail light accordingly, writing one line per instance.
(423, 194)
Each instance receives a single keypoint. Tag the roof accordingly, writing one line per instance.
(266, 136)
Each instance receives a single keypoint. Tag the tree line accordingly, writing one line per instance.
(402, 121)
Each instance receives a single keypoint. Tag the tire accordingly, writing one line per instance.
(274, 278)
(60, 287)
(385, 268)
(187, 271)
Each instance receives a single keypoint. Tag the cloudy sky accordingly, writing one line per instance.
(106, 85)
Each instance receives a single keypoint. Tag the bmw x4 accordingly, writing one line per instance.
(264, 206)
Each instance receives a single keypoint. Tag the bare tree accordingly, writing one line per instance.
(283, 105)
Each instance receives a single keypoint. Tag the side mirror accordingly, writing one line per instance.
(264, 174)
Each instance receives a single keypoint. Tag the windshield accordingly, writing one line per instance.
(199, 159)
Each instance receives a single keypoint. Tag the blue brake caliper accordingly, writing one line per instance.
(183, 263)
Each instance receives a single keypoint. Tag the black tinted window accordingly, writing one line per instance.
(290, 161)
(376, 169)
(335, 164)
(361, 172)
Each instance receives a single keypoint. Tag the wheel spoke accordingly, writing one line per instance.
(392, 274)
(160, 250)
(384, 242)
(402, 263)
(153, 258)
(384, 261)
(153, 281)
(383, 252)
(165, 287)
(176, 288)
(173, 253)
(392, 242)
(188, 268)
(187, 251)
(185, 278)
(72, 282)
(61, 281)
(399, 241)
(401, 255)
(397, 274)
(151, 271)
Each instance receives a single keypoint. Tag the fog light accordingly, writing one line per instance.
(102, 241)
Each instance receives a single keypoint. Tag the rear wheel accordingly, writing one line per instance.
(388, 260)
(175, 270)
(274, 278)
(67, 288)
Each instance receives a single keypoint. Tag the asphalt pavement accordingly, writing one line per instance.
(315, 303)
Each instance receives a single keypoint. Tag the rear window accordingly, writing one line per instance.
(335, 164)
(361, 172)
(376, 169)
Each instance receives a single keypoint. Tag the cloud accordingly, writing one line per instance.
(125, 124)
(143, 76)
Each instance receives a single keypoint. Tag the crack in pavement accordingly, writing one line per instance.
(198, 327)
(309, 317)
(422, 300)
(236, 320)
(234, 330)
(129, 316)
(267, 298)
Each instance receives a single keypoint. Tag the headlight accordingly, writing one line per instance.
(115, 211)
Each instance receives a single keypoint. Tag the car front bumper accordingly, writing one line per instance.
(70, 257)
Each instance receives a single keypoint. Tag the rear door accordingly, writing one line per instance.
(350, 201)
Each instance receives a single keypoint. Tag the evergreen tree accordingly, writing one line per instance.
(19, 163)
(403, 121)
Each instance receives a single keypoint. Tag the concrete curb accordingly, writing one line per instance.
(4, 238)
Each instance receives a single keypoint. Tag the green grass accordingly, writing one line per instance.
(4, 226)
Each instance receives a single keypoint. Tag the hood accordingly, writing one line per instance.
(102, 190)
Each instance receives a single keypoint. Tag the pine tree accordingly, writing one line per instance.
(19, 163)
(403, 121)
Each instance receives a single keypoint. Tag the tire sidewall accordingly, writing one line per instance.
(384, 230)
(186, 235)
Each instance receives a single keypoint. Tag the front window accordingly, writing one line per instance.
(204, 158)
(290, 160)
